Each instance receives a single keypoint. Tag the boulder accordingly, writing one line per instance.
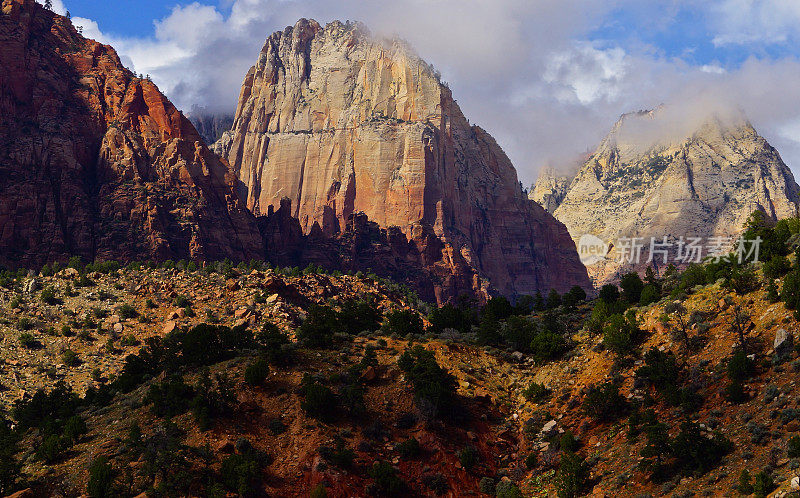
(783, 343)
(30, 286)
(168, 327)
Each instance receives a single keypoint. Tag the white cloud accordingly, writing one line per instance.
(586, 74)
(524, 70)
(759, 21)
(58, 6)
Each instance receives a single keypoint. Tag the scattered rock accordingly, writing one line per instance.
(783, 343)
(168, 327)
(30, 286)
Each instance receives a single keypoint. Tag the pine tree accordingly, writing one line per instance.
(48, 4)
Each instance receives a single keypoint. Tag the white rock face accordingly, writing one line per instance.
(656, 176)
(340, 122)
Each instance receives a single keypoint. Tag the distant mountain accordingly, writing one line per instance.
(210, 125)
(97, 162)
(658, 173)
(341, 122)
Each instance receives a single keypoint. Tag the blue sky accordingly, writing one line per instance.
(547, 77)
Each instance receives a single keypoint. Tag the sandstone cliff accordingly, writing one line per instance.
(657, 175)
(550, 189)
(340, 123)
(98, 163)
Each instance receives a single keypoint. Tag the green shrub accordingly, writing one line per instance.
(696, 453)
(48, 295)
(497, 308)
(790, 292)
(319, 326)
(741, 280)
(70, 358)
(574, 296)
(609, 293)
(571, 476)
(740, 367)
(434, 387)
(620, 333)
(536, 392)
(101, 479)
(319, 491)
(24, 323)
(604, 403)
(468, 457)
(735, 393)
(745, 485)
(274, 343)
(386, 479)
(763, 484)
(507, 489)
(650, 294)
(449, 317)
(170, 397)
(793, 449)
(776, 267)
(568, 442)
(239, 473)
(127, 311)
(547, 345)
(487, 486)
(404, 322)
(409, 448)
(436, 482)
(358, 315)
(632, 287)
(553, 299)
(129, 340)
(256, 372)
(9, 465)
(182, 301)
(319, 401)
(339, 456)
(772, 292)
(28, 341)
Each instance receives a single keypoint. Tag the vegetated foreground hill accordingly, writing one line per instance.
(659, 173)
(342, 122)
(241, 380)
(97, 162)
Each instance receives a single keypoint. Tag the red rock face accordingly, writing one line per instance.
(98, 163)
(424, 263)
(342, 123)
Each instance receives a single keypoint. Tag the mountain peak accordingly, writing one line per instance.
(342, 122)
(668, 172)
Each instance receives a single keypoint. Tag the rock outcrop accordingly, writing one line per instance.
(657, 175)
(362, 245)
(550, 189)
(342, 123)
(97, 162)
